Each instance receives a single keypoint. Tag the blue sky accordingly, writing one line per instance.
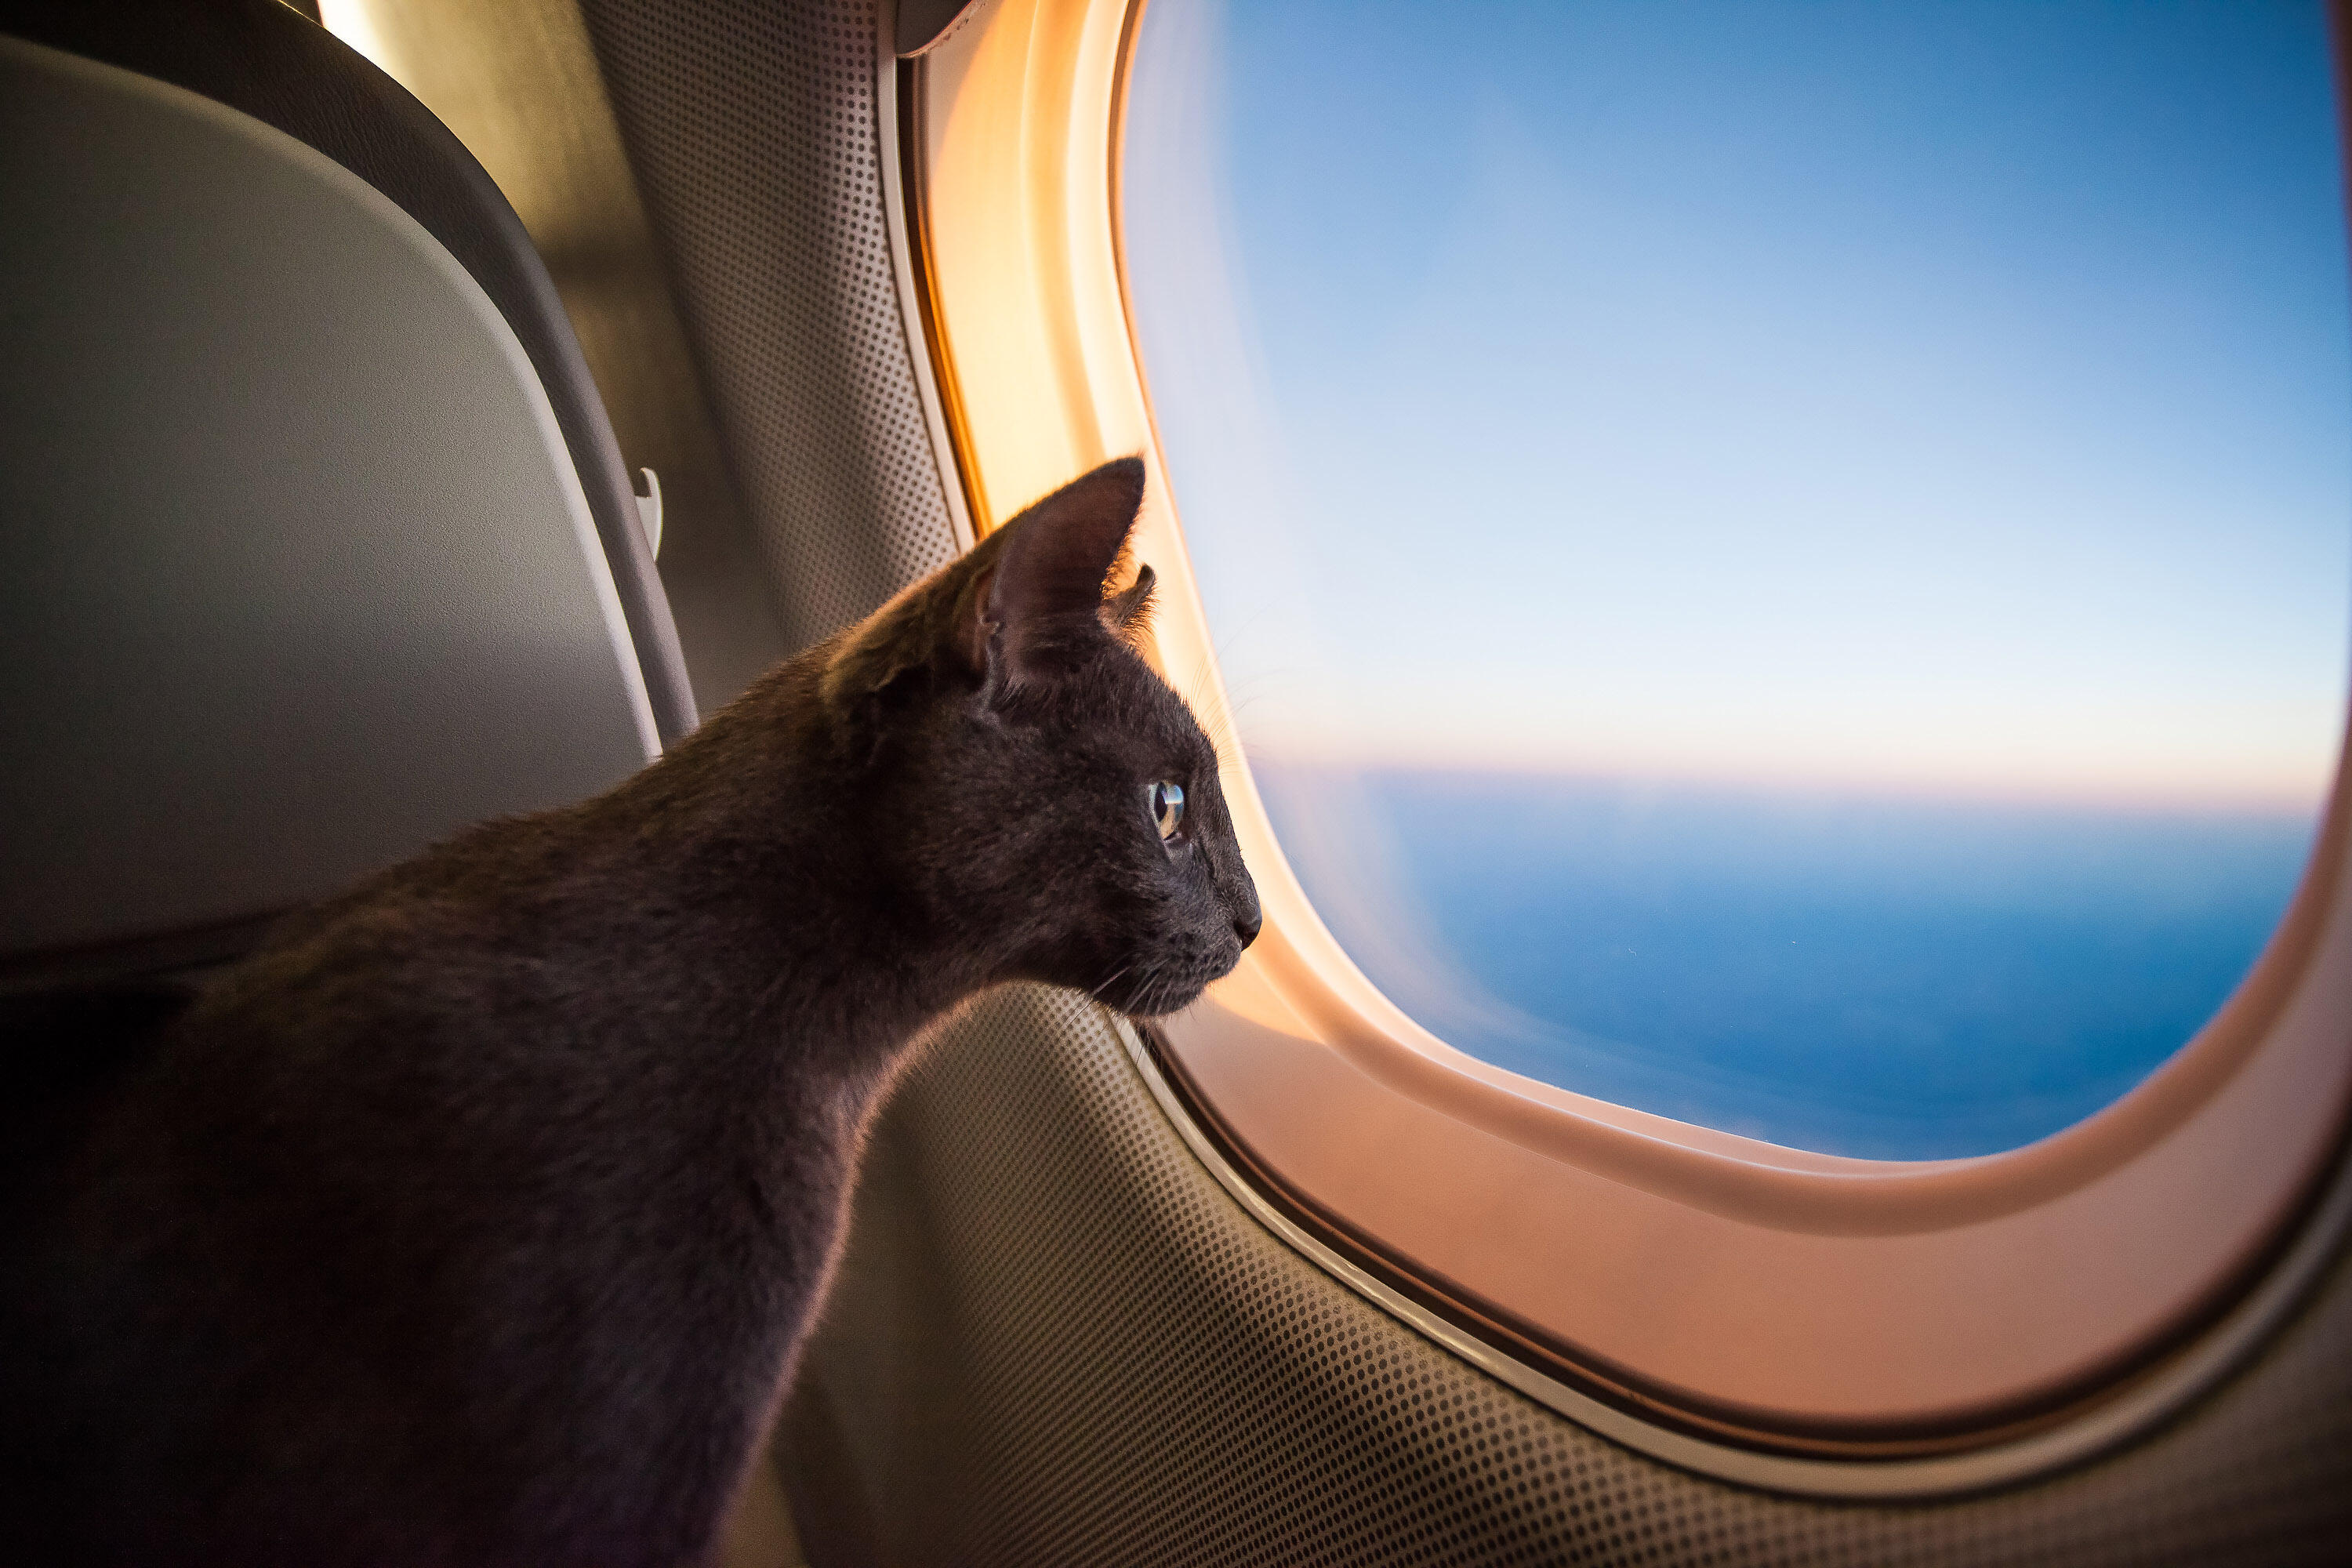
(1942, 398)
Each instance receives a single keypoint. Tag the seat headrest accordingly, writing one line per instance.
(298, 574)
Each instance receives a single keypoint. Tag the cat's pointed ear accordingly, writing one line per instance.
(1045, 590)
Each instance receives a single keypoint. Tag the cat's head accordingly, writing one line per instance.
(1042, 788)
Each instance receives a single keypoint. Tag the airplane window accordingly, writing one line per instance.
(1782, 564)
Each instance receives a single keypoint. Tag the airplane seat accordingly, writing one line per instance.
(320, 546)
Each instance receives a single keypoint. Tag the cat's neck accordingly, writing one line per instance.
(767, 896)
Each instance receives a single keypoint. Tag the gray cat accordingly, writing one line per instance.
(477, 1218)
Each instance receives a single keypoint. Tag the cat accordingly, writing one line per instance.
(477, 1218)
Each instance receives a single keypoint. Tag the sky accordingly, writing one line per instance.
(1953, 398)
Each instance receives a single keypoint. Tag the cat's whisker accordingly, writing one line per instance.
(1139, 1004)
(1216, 720)
(1163, 986)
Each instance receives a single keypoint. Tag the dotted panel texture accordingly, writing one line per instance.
(752, 127)
(1056, 1340)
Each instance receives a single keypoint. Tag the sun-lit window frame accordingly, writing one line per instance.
(1823, 1324)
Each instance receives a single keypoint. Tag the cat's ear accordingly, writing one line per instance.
(1044, 594)
(1128, 615)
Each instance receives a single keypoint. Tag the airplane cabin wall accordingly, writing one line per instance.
(754, 133)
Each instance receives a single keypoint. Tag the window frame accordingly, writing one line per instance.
(1824, 1324)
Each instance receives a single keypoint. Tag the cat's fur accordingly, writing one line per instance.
(476, 1219)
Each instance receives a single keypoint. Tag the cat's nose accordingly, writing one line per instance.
(1245, 925)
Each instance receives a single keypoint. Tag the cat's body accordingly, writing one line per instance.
(476, 1219)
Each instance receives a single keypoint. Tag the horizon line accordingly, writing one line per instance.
(2276, 800)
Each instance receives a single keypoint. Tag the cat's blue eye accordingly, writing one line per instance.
(1168, 806)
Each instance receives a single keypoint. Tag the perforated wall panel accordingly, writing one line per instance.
(1057, 1339)
(753, 128)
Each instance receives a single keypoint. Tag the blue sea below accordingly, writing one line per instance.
(1892, 978)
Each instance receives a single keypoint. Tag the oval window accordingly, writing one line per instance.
(1782, 564)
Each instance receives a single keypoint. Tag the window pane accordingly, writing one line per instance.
(1782, 564)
